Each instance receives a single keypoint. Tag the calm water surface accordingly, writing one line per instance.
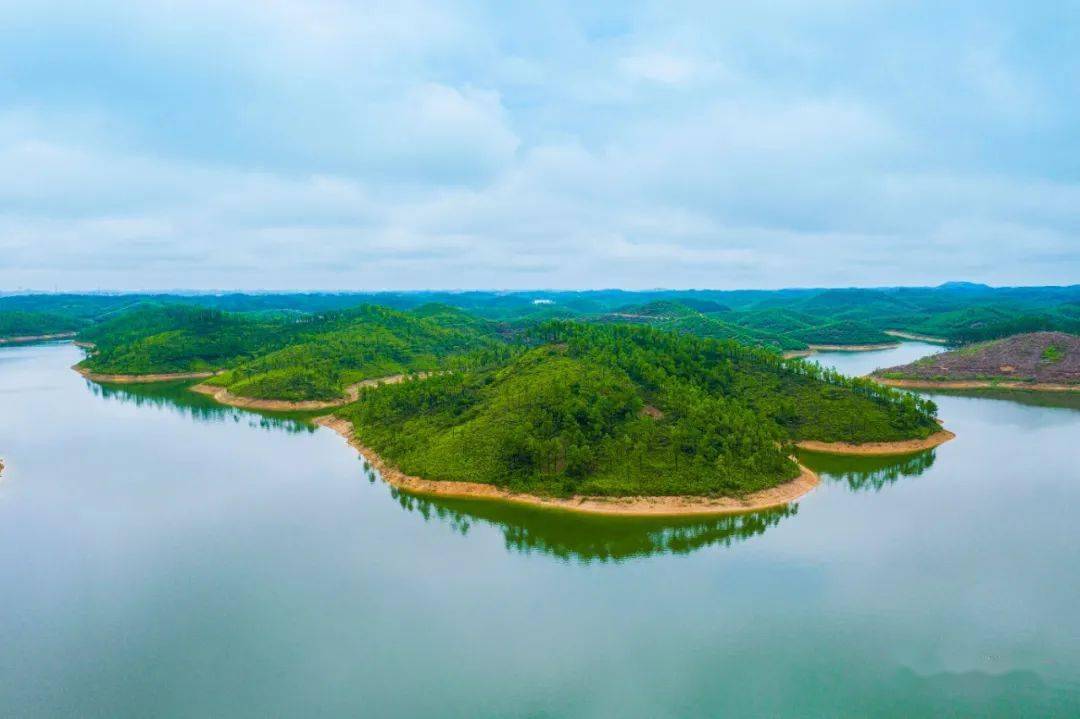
(162, 556)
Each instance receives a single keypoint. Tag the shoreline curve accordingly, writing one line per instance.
(854, 348)
(625, 506)
(975, 384)
(222, 395)
(878, 449)
(814, 349)
(140, 378)
(916, 337)
(36, 338)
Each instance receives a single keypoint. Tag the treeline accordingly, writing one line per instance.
(31, 324)
(788, 390)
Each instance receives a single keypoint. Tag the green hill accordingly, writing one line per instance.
(844, 332)
(284, 357)
(675, 316)
(175, 338)
(625, 410)
(365, 343)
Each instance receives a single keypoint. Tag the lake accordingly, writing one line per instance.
(164, 556)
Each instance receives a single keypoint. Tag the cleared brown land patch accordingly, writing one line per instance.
(1037, 360)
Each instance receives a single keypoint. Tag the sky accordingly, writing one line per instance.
(321, 144)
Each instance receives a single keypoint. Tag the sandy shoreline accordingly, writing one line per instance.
(36, 338)
(916, 337)
(223, 396)
(629, 506)
(855, 348)
(975, 384)
(140, 378)
(814, 349)
(878, 449)
(352, 392)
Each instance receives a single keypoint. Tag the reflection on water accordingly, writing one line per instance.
(262, 576)
(867, 473)
(564, 535)
(587, 538)
(177, 397)
(1065, 400)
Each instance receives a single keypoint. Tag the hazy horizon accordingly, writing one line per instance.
(507, 290)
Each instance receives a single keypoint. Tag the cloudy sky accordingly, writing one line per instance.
(326, 144)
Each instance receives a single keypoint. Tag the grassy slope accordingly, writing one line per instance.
(570, 416)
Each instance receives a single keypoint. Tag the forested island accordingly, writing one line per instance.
(617, 411)
(1046, 361)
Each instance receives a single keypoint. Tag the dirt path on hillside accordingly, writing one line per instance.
(352, 392)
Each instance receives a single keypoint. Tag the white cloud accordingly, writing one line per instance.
(327, 143)
(659, 67)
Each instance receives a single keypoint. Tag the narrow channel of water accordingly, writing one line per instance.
(163, 556)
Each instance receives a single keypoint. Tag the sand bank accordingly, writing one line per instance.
(880, 449)
(36, 338)
(630, 506)
(975, 384)
(352, 392)
(140, 378)
(916, 337)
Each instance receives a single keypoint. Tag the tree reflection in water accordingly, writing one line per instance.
(177, 397)
(590, 538)
(867, 473)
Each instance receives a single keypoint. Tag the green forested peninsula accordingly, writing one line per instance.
(620, 410)
(285, 357)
